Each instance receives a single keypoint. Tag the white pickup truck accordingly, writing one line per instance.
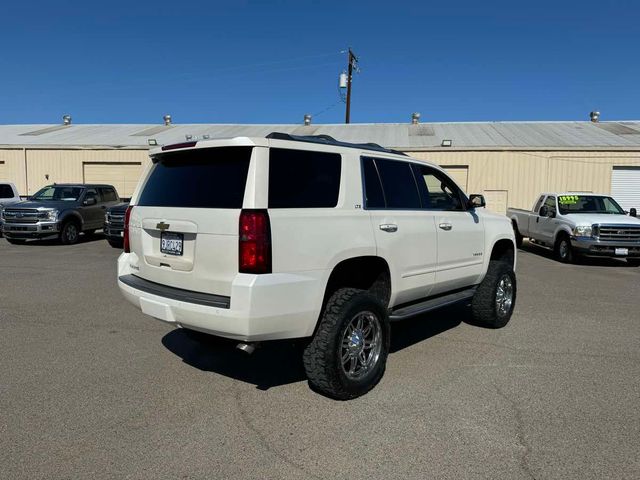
(579, 223)
(8, 196)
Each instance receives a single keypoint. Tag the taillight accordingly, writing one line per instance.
(127, 215)
(255, 242)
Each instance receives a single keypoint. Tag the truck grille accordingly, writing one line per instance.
(115, 220)
(624, 233)
(30, 215)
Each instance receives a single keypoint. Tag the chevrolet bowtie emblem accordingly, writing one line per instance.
(162, 226)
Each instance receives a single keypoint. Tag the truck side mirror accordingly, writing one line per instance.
(633, 212)
(476, 201)
(90, 201)
(544, 211)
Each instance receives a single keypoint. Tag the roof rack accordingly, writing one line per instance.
(328, 140)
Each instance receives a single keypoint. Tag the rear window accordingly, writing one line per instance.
(6, 191)
(303, 179)
(199, 178)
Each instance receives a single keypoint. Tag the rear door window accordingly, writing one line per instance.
(198, 178)
(303, 179)
(108, 195)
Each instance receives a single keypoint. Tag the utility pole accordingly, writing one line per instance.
(353, 61)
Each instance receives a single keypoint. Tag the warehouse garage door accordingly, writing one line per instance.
(459, 173)
(123, 176)
(625, 186)
(496, 200)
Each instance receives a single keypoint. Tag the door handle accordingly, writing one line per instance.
(388, 227)
(446, 226)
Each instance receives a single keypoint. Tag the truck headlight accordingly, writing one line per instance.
(52, 215)
(582, 231)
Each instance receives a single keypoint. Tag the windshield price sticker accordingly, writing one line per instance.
(568, 199)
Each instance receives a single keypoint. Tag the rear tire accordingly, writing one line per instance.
(495, 298)
(69, 233)
(563, 250)
(348, 354)
(16, 241)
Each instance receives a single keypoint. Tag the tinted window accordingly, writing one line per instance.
(57, 192)
(438, 191)
(6, 191)
(199, 178)
(303, 179)
(108, 195)
(398, 184)
(373, 196)
(550, 203)
(538, 203)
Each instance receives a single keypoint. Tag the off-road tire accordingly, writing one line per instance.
(322, 357)
(519, 237)
(16, 241)
(119, 244)
(484, 303)
(70, 232)
(563, 249)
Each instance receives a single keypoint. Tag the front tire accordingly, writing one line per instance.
(116, 244)
(495, 298)
(348, 354)
(563, 249)
(69, 233)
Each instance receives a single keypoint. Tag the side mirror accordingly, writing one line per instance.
(544, 211)
(633, 212)
(476, 201)
(90, 201)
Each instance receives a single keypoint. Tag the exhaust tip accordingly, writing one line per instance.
(247, 348)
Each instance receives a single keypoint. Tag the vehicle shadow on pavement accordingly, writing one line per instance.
(272, 364)
(53, 241)
(579, 260)
(279, 363)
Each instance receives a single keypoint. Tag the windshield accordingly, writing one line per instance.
(588, 204)
(58, 193)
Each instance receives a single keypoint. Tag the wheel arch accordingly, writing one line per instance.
(504, 249)
(71, 215)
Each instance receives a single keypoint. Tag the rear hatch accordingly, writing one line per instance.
(188, 211)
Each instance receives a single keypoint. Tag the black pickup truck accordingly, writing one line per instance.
(114, 224)
(64, 210)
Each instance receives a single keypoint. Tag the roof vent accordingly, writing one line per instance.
(66, 119)
(594, 116)
(167, 119)
(415, 118)
(307, 119)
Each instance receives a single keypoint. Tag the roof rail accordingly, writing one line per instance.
(327, 140)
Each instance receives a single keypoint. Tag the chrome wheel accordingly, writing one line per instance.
(564, 249)
(504, 296)
(361, 345)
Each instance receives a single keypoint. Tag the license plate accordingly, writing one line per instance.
(622, 251)
(171, 243)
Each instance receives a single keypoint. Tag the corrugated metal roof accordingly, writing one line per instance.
(426, 136)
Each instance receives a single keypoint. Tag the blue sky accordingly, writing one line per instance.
(247, 61)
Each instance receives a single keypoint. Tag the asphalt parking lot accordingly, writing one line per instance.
(91, 388)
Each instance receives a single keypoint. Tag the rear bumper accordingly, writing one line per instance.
(597, 248)
(30, 230)
(260, 307)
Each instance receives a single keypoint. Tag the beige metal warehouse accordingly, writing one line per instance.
(509, 162)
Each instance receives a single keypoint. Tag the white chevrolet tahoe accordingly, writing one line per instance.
(282, 237)
(579, 224)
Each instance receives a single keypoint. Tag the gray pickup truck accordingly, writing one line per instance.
(64, 210)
